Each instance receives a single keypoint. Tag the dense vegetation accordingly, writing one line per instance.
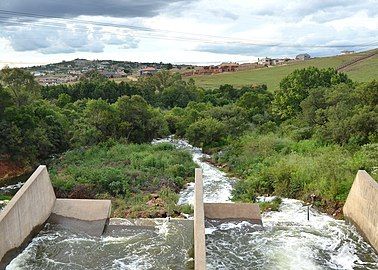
(142, 180)
(309, 136)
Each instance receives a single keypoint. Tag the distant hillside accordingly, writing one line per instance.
(363, 70)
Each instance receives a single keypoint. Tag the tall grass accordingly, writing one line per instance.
(126, 173)
(269, 164)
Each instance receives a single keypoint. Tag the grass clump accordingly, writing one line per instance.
(273, 205)
(5, 197)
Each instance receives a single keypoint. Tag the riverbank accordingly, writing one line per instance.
(330, 208)
(10, 169)
(142, 180)
(275, 165)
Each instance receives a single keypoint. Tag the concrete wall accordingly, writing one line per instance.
(89, 216)
(361, 206)
(233, 211)
(27, 211)
(199, 223)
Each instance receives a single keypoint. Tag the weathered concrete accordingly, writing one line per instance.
(199, 223)
(361, 206)
(233, 211)
(35, 203)
(89, 216)
(26, 212)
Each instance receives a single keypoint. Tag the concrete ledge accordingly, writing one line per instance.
(199, 223)
(361, 206)
(26, 212)
(233, 211)
(89, 216)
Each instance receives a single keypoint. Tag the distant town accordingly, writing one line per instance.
(72, 71)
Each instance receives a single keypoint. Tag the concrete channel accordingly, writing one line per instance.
(35, 204)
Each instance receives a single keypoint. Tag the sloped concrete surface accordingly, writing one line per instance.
(361, 206)
(28, 210)
(89, 216)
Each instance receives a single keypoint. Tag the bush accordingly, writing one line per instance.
(280, 166)
(206, 133)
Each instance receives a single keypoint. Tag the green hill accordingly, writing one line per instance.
(364, 70)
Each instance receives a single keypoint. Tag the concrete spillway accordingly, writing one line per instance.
(35, 203)
(286, 241)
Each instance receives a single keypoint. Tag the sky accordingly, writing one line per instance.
(34, 32)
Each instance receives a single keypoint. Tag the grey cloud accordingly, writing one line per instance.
(317, 10)
(73, 8)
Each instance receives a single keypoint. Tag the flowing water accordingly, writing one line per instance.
(9, 187)
(286, 240)
(161, 245)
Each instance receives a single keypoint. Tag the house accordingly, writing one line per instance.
(147, 71)
(280, 61)
(107, 73)
(228, 67)
(247, 66)
(303, 56)
(264, 61)
(347, 52)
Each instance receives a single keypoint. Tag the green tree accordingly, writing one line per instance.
(207, 132)
(295, 87)
(20, 85)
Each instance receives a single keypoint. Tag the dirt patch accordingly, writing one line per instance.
(10, 169)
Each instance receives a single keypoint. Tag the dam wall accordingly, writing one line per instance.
(35, 203)
(26, 212)
(199, 223)
(361, 206)
(223, 212)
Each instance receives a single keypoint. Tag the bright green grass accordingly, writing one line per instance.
(271, 76)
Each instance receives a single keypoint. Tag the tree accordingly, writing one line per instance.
(206, 132)
(178, 95)
(20, 85)
(295, 87)
(233, 117)
(139, 122)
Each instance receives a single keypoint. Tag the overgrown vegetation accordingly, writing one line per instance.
(142, 180)
(309, 137)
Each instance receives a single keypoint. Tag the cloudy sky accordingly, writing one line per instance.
(177, 31)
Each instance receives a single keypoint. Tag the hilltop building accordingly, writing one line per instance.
(229, 67)
(147, 71)
(264, 61)
(303, 56)
(347, 52)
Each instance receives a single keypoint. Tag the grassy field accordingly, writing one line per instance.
(271, 76)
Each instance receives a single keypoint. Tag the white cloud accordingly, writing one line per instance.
(240, 22)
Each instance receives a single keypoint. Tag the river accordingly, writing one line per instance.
(287, 240)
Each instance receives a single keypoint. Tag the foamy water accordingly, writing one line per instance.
(287, 239)
(217, 186)
(163, 246)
